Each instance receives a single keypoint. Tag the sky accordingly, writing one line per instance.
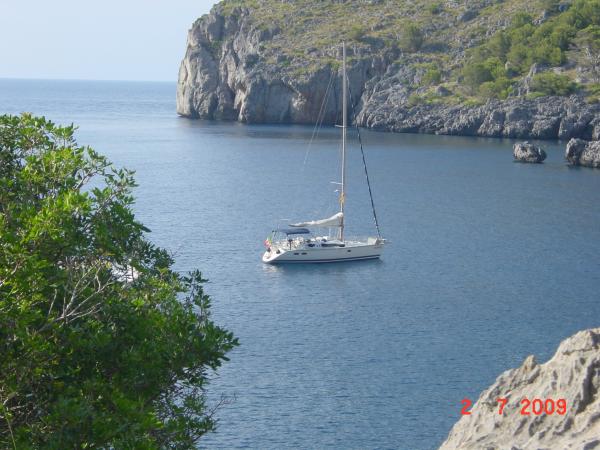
(95, 40)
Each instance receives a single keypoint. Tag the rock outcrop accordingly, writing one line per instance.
(235, 69)
(222, 77)
(583, 153)
(529, 153)
(549, 117)
(572, 374)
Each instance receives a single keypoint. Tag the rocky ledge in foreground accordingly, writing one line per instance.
(583, 153)
(528, 153)
(572, 374)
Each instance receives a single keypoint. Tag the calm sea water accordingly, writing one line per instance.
(489, 261)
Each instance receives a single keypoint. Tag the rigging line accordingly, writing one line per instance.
(320, 118)
(330, 203)
(324, 104)
(362, 152)
(315, 132)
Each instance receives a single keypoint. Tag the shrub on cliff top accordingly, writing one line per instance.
(411, 38)
(526, 42)
(552, 84)
(432, 76)
(356, 32)
(102, 344)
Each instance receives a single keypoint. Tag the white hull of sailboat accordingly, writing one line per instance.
(357, 252)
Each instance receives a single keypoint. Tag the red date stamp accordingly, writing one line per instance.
(536, 406)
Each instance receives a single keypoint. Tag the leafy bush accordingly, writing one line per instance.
(549, 83)
(432, 76)
(499, 88)
(594, 88)
(588, 40)
(593, 93)
(102, 344)
(412, 38)
(356, 32)
(479, 72)
(519, 59)
(435, 8)
(520, 20)
(534, 95)
(551, 6)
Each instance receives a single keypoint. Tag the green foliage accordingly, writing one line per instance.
(435, 8)
(488, 78)
(548, 33)
(590, 37)
(432, 76)
(588, 40)
(549, 83)
(498, 46)
(356, 32)
(429, 97)
(510, 53)
(102, 345)
(534, 95)
(520, 20)
(593, 93)
(594, 89)
(551, 6)
(412, 38)
(477, 73)
(415, 99)
(583, 13)
(473, 102)
(499, 88)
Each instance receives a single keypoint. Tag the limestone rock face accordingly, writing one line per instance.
(529, 153)
(541, 118)
(572, 374)
(229, 73)
(224, 76)
(583, 153)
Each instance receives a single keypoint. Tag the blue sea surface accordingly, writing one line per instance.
(488, 261)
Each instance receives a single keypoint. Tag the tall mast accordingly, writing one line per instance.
(344, 125)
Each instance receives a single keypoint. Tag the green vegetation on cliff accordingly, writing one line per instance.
(474, 50)
(499, 62)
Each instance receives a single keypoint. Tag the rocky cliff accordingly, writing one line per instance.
(262, 61)
(573, 374)
(583, 153)
(549, 117)
(224, 76)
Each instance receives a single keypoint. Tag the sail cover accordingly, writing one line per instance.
(333, 221)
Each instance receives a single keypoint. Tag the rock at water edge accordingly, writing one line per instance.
(583, 153)
(529, 153)
(573, 374)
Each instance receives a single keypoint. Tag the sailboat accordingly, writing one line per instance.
(297, 244)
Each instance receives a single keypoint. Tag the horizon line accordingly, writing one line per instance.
(86, 79)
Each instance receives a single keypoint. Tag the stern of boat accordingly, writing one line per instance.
(271, 255)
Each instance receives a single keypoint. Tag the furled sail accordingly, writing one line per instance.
(333, 221)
